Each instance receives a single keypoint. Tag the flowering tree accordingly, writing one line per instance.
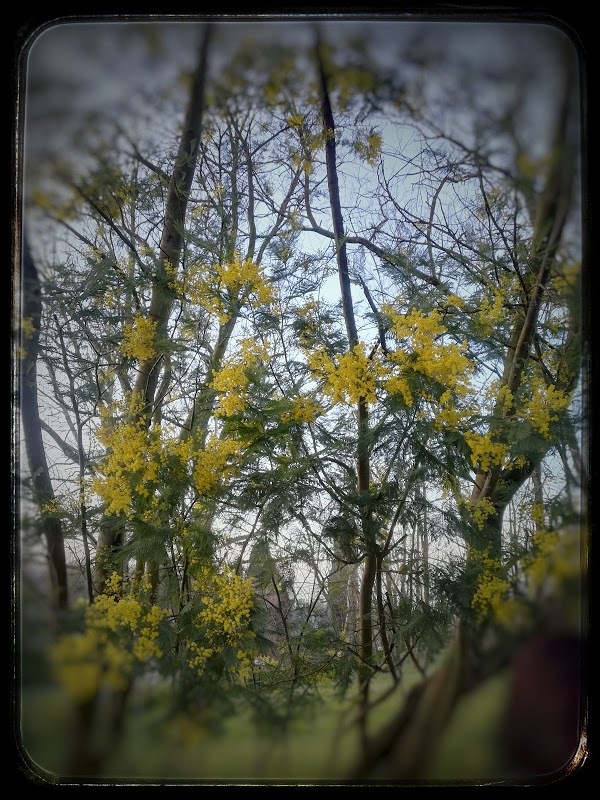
(288, 352)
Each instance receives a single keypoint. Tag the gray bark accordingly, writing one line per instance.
(43, 491)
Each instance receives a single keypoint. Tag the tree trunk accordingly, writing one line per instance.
(424, 528)
(171, 242)
(385, 642)
(362, 412)
(110, 540)
(43, 491)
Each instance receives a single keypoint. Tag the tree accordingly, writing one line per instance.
(495, 484)
(36, 455)
(301, 382)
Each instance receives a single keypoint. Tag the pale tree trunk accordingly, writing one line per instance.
(424, 537)
(538, 494)
(338, 594)
(411, 561)
(381, 618)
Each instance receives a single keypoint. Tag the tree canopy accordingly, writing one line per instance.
(302, 379)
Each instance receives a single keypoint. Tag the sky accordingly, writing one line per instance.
(72, 68)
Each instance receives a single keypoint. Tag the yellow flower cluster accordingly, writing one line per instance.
(558, 360)
(492, 596)
(78, 666)
(555, 558)
(454, 301)
(537, 514)
(138, 338)
(419, 328)
(128, 477)
(355, 375)
(451, 415)
(180, 452)
(350, 81)
(215, 463)
(201, 656)
(50, 507)
(227, 609)
(309, 310)
(543, 404)
(504, 398)
(298, 160)
(171, 276)
(425, 352)
(118, 632)
(244, 664)
(484, 452)
(481, 510)
(228, 600)
(369, 148)
(295, 120)
(399, 385)
(132, 464)
(303, 408)
(565, 282)
(113, 585)
(27, 327)
(245, 278)
(231, 381)
(353, 378)
(492, 309)
(215, 289)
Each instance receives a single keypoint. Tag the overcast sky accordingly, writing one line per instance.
(73, 68)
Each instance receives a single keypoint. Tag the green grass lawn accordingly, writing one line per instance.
(321, 746)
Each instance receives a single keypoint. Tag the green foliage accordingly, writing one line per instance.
(246, 447)
(262, 566)
(343, 531)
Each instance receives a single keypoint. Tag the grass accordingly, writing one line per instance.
(319, 747)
